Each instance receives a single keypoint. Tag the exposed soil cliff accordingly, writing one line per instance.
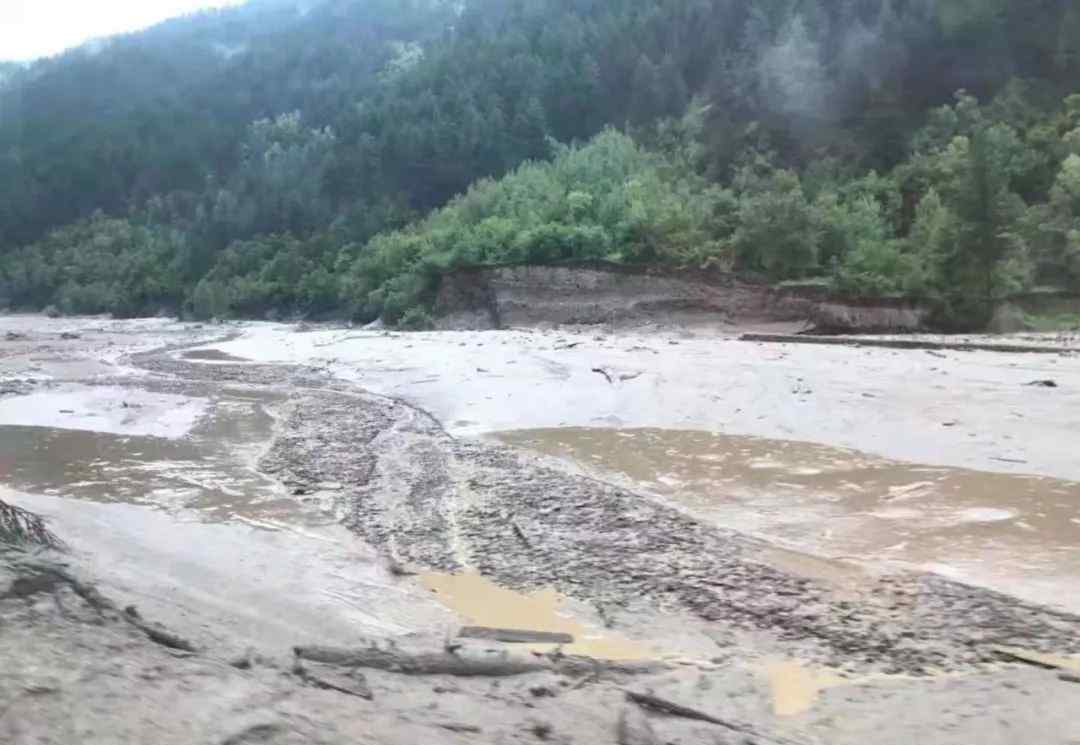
(627, 296)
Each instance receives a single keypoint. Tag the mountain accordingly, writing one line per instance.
(335, 121)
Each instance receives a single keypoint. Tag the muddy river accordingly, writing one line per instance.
(210, 469)
(149, 466)
(203, 475)
(1018, 534)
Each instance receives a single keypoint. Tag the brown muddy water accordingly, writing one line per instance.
(1018, 534)
(482, 602)
(188, 530)
(211, 470)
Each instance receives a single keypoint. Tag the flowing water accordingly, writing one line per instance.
(1019, 534)
(211, 469)
(185, 526)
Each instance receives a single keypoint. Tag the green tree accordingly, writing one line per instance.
(779, 231)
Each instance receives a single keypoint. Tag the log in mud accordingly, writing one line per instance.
(907, 344)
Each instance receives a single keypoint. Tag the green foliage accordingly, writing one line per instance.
(1061, 229)
(100, 265)
(416, 319)
(1049, 323)
(258, 160)
(609, 199)
(779, 231)
(210, 300)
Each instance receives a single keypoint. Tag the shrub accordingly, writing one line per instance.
(416, 319)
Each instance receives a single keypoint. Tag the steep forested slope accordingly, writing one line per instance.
(807, 137)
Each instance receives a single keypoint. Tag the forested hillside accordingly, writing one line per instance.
(285, 156)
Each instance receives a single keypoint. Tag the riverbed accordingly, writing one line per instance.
(786, 521)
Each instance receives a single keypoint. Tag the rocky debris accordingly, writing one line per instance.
(15, 336)
(1043, 384)
(433, 501)
(542, 730)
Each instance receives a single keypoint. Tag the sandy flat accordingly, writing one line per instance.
(965, 409)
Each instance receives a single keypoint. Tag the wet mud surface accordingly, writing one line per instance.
(433, 501)
(1016, 533)
(229, 535)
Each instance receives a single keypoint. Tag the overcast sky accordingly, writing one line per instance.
(37, 28)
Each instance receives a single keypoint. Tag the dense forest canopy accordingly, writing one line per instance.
(284, 156)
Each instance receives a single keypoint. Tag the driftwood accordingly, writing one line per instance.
(655, 703)
(465, 661)
(470, 728)
(333, 678)
(851, 341)
(462, 662)
(1024, 657)
(605, 373)
(44, 578)
(1027, 658)
(163, 637)
(515, 636)
(520, 534)
(671, 708)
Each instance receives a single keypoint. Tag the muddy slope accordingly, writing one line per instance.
(625, 296)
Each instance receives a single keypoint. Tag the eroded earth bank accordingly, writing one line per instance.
(278, 534)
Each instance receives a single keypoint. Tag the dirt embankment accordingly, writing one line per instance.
(627, 296)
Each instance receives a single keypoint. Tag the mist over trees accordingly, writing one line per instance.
(287, 157)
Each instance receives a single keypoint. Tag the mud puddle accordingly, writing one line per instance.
(796, 687)
(484, 603)
(1017, 534)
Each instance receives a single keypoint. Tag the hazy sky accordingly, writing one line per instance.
(37, 28)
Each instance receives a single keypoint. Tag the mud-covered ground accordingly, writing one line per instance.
(246, 559)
